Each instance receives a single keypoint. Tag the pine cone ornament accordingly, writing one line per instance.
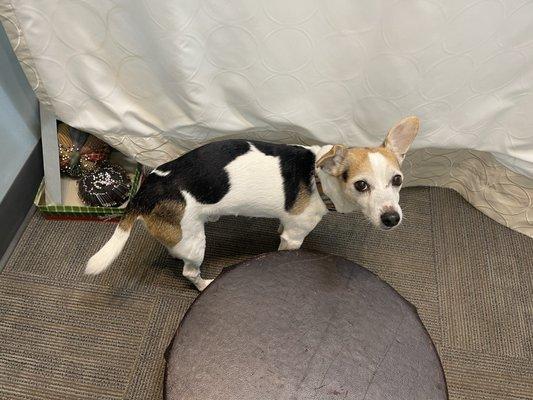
(79, 152)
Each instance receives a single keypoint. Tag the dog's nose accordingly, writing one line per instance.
(390, 219)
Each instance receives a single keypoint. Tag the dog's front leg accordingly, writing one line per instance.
(296, 228)
(292, 238)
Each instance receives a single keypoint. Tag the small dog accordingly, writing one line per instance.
(258, 179)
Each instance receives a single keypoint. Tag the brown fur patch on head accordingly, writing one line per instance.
(302, 200)
(357, 161)
(164, 222)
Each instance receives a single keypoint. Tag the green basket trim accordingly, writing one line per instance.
(59, 209)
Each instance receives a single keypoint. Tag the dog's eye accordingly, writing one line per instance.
(396, 180)
(361, 186)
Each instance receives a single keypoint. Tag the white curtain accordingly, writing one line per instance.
(155, 78)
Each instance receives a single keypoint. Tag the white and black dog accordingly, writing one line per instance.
(258, 179)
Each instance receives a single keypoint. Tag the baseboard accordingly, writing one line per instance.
(18, 201)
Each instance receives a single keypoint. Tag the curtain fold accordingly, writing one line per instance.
(157, 78)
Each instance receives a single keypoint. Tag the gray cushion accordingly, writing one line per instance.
(300, 325)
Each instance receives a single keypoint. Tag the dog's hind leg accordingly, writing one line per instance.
(191, 250)
(182, 234)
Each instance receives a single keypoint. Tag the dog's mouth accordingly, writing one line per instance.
(381, 226)
(389, 228)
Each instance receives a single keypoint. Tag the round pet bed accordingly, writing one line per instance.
(300, 325)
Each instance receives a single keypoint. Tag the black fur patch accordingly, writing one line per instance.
(297, 167)
(201, 173)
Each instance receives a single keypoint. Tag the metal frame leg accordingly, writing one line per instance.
(52, 176)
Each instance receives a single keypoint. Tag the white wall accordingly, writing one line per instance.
(19, 116)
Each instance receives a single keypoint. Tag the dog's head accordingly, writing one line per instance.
(369, 178)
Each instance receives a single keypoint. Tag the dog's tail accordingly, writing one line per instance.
(107, 254)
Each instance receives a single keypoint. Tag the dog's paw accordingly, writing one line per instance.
(201, 285)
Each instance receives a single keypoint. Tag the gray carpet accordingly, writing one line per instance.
(64, 335)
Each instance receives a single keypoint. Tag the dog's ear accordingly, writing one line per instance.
(333, 161)
(401, 136)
